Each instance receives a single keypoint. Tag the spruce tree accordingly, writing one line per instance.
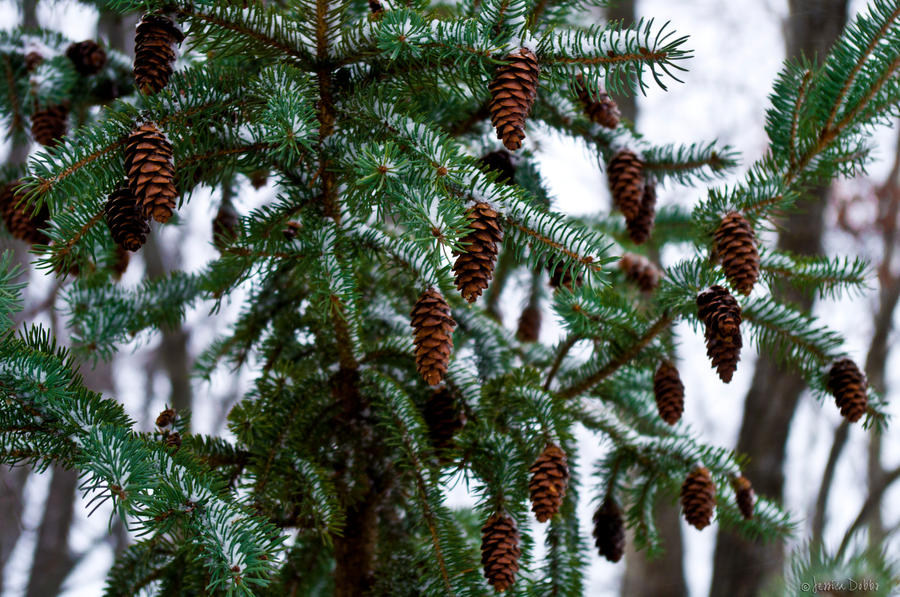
(377, 384)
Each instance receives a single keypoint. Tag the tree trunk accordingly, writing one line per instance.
(743, 567)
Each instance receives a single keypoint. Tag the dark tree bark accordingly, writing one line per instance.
(742, 567)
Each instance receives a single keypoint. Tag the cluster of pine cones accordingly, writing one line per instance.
(149, 189)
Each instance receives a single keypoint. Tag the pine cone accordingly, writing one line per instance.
(259, 178)
(640, 227)
(848, 386)
(513, 90)
(549, 479)
(123, 258)
(173, 440)
(150, 171)
(433, 329)
(609, 530)
(376, 10)
(126, 224)
(32, 60)
(19, 218)
(154, 52)
(669, 393)
(474, 268)
(602, 109)
(529, 329)
(166, 418)
(87, 57)
(640, 270)
(721, 314)
(224, 226)
(500, 551)
(500, 162)
(698, 498)
(743, 495)
(736, 247)
(50, 124)
(625, 174)
(561, 276)
(444, 418)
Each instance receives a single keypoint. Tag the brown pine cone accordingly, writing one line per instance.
(32, 60)
(625, 174)
(291, 230)
(20, 220)
(609, 530)
(600, 109)
(513, 90)
(500, 162)
(49, 124)
(721, 314)
(698, 498)
(444, 418)
(500, 551)
(529, 329)
(640, 270)
(640, 227)
(433, 330)
(669, 393)
(126, 224)
(376, 10)
(743, 495)
(259, 178)
(87, 57)
(154, 52)
(150, 172)
(848, 386)
(166, 418)
(474, 268)
(224, 226)
(736, 247)
(549, 479)
(562, 276)
(173, 440)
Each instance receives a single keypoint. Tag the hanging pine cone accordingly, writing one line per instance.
(166, 418)
(154, 52)
(87, 57)
(19, 218)
(49, 124)
(640, 270)
(549, 479)
(743, 495)
(625, 174)
(126, 224)
(721, 314)
(513, 90)
(600, 109)
(848, 386)
(529, 329)
(259, 178)
(376, 10)
(433, 329)
(560, 276)
(500, 551)
(669, 393)
(698, 498)
(474, 267)
(640, 227)
(150, 172)
(500, 162)
(224, 226)
(32, 60)
(444, 418)
(120, 263)
(609, 530)
(736, 247)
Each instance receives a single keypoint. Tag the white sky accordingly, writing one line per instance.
(738, 50)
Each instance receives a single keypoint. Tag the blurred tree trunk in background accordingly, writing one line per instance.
(663, 576)
(743, 567)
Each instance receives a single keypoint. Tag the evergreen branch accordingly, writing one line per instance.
(613, 365)
(795, 117)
